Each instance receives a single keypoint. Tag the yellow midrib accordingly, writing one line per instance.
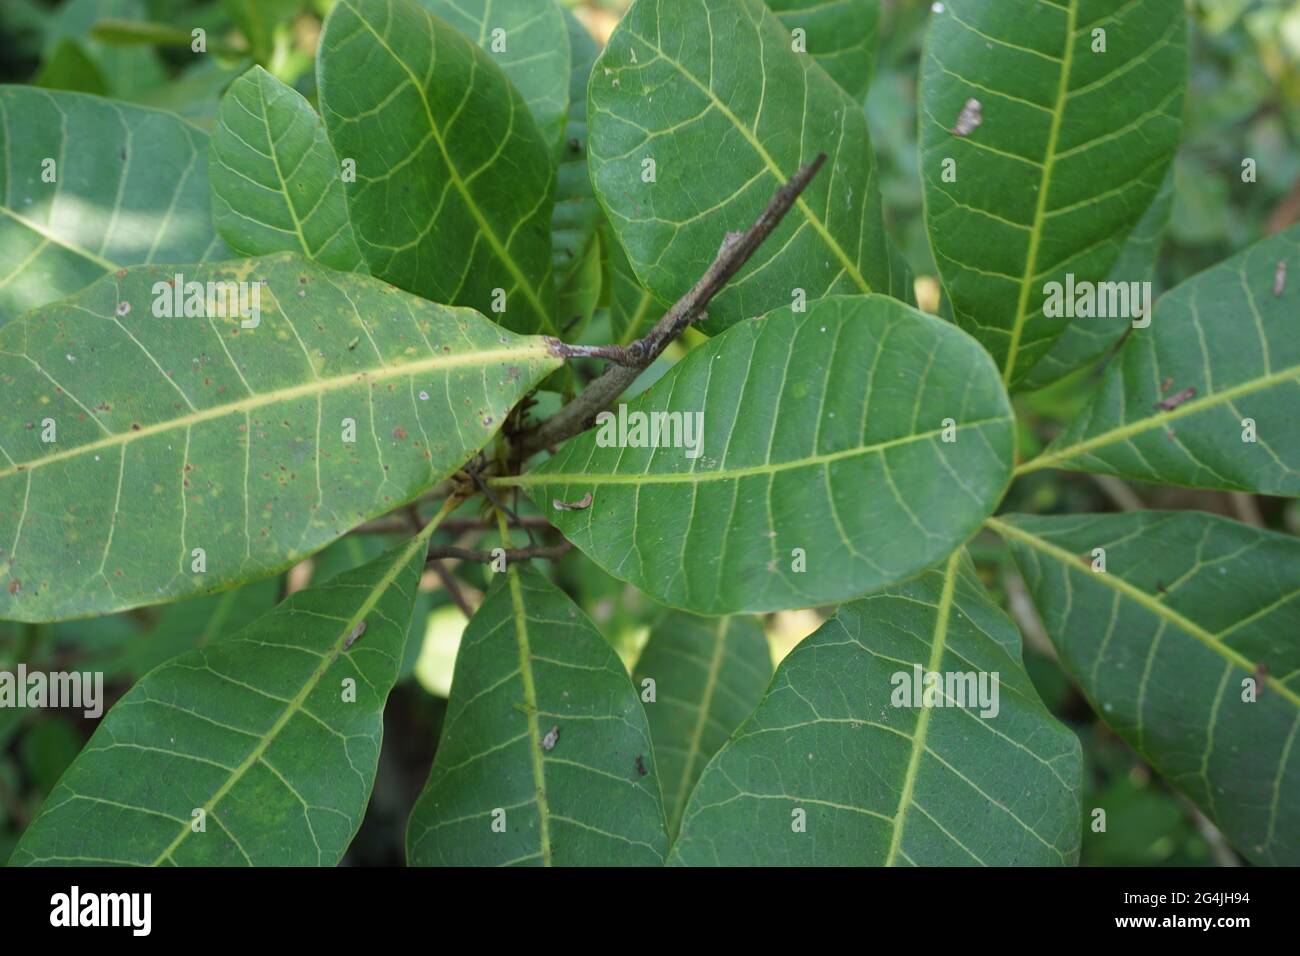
(923, 719)
(318, 386)
(820, 227)
(295, 705)
(687, 477)
(1044, 186)
(697, 733)
(1191, 407)
(530, 712)
(1133, 593)
(502, 253)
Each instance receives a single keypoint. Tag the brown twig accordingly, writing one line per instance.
(451, 586)
(627, 362)
(512, 554)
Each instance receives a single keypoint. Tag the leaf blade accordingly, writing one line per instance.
(860, 769)
(528, 629)
(242, 422)
(841, 37)
(786, 462)
(1189, 606)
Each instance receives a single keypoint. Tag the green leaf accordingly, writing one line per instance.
(821, 442)
(276, 183)
(68, 67)
(576, 214)
(1163, 641)
(129, 71)
(454, 183)
(180, 433)
(881, 780)
(1227, 334)
(1084, 342)
(840, 35)
(709, 675)
(131, 186)
(532, 47)
(707, 91)
(1070, 151)
(259, 21)
(545, 733)
(633, 311)
(257, 731)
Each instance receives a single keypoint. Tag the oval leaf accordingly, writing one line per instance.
(709, 674)
(840, 765)
(1190, 610)
(576, 213)
(190, 454)
(270, 738)
(1057, 159)
(454, 183)
(839, 34)
(529, 40)
(820, 471)
(705, 92)
(545, 756)
(276, 183)
(129, 186)
(1206, 396)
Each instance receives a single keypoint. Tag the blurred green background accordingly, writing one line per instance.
(1243, 102)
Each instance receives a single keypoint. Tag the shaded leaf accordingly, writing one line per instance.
(880, 780)
(182, 433)
(573, 222)
(1189, 608)
(454, 183)
(532, 46)
(131, 186)
(1064, 151)
(276, 183)
(821, 442)
(256, 730)
(709, 675)
(68, 67)
(1227, 336)
(840, 36)
(259, 20)
(1086, 341)
(129, 70)
(543, 732)
(633, 311)
(707, 92)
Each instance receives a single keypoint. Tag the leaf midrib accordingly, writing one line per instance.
(1192, 407)
(1044, 187)
(530, 714)
(502, 253)
(1146, 601)
(694, 477)
(937, 643)
(848, 265)
(327, 661)
(701, 720)
(318, 386)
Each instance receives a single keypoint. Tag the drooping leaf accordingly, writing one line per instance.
(1218, 366)
(544, 734)
(454, 182)
(276, 183)
(273, 733)
(130, 185)
(1086, 341)
(576, 214)
(256, 445)
(709, 674)
(880, 780)
(820, 469)
(1056, 163)
(840, 35)
(691, 108)
(1190, 609)
(530, 41)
